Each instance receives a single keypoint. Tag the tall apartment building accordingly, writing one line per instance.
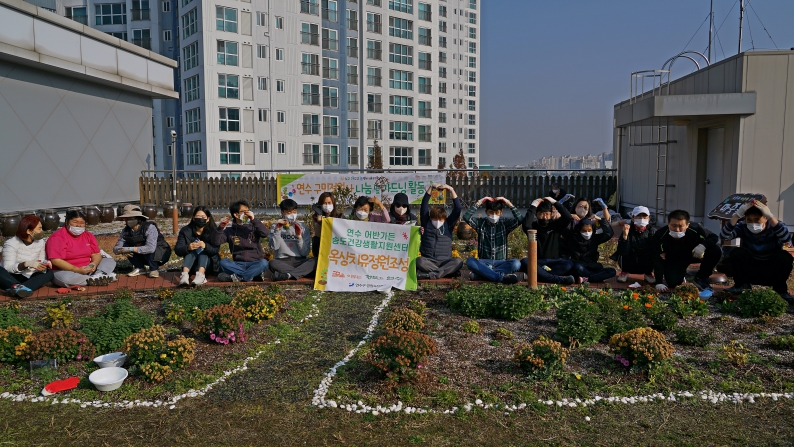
(148, 24)
(308, 84)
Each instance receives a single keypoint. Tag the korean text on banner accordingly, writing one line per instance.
(306, 188)
(362, 256)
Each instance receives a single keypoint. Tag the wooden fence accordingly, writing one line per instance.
(262, 192)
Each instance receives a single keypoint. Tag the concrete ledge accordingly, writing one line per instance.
(670, 106)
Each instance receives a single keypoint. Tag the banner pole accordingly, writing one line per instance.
(532, 259)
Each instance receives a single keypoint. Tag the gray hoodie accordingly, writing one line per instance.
(285, 243)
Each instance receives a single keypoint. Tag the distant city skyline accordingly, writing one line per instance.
(573, 162)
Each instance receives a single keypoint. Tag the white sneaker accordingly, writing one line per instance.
(199, 279)
(622, 277)
(154, 274)
(135, 272)
(649, 279)
(184, 279)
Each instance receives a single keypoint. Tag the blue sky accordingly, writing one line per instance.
(551, 71)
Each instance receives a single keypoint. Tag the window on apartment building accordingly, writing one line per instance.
(442, 103)
(331, 126)
(472, 76)
(310, 34)
(424, 12)
(442, 42)
(142, 38)
(311, 124)
(374, 103)
(470, 134)
(424, 109)
(262, 19)
(191, 91)
(310, 94)
(374, 76)
(352, 45)
(167, 35)
(193, 150)
(311, 154)
(473, 32)
(374, 129)
(401, 130)
(353, 155)
(330, 39)
(442, 147)
(353, 129)
(262, 83)
(230, 152)
(352, 19)
(401, 28)
(140, 10)
(110, 14)
(402, 80)
(309, 7)
(330, 68)
(424, 133)
(402, 6)
(374, 49)
(192, 120)
(281, 147)
(280, 117)
(424, 36)
(353, 74)
(228, 86)
(262, 115)
(330, 97)
(424, 85)
(471, 105)
(401, 156)
(189, 24)
(122, 36)
(442, 11)
(280, 85)
(442, 132)
(471, 90)
(169, 121)
(374, 23)
(280, 54)
(330, 10)
(442, 87)
(471, 119)
(424, 157)
(473, 18)
(471, 148)
(471, 163)
(424, 61)
(279, 22)
(473, 4)
(401, 54)
(401, 105)
(442, 117)
(167, 6)
(228, 119)
(473, 48)
(190, 56)
(353, 101)
(374, 3)
(331, 154)
(263, 147)
(226, 52)
(226, 19)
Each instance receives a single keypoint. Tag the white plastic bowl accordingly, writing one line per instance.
(108, 379)
(116, 359)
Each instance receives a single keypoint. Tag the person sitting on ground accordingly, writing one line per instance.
(290, 241)
(369, 209)
(243, 233)
(25, 265)
(326, 207)
(634, 252)
(552, 268)
(493, 231)
(582, 210)
(142, 242)
(400, 210)
(75, 255)
(557, 192)
(195, 246)
(760, 259)
(680, 244)
(581, 245)
(436, 244)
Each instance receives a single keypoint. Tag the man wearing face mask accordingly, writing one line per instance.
(436, 244)
(760, 259)
(552, 268)
(680, 244)
(142, 242)
(290, 241)
(634, 250)
(493, 231)
(399, 210)
(243, 233)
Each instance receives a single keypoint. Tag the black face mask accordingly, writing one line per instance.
(199, 222)
(543, 222)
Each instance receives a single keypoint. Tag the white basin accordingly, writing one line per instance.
(108, 379)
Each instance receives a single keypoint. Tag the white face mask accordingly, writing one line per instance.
(400, 210)
(76, 231)
(555, 191)
(291, 217)
(756, 228)
(677, 234)
(494, 218)
(328, 208)
(362, 215)
(581, 212)
(641, 222)
(586, 235)
(437, 223)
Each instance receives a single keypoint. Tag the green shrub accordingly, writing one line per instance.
(9, 316)
(693, 337)
(222, 324)
(156, 357)
(404, 319)
(108, 329)
(641, 347)
(686, 305)
(123, 294)
(61, 344)
(503, 334)
(662, 318)
(579, 323)
(618, 316)
(59, 315)
(471, 327)
(188, 304)
(419, 307)
(758, 302)
(13, 343)
(541, 357)
(495, 301)
(776, 342)
(257, 303)
(399, 354)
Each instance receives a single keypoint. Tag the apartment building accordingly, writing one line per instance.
(313, 84)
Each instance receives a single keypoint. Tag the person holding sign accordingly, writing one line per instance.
(760, 258)
(326, 207)
(680, 244)
(634, 250)
(399, 211)
(290, 241)
(436, 244)
(493, 231)
(243, 233)
(370, 209)
(552, 268)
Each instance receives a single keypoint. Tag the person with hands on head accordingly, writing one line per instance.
(195, 246)
(493, 231)
(760, 259)
(25, 265)
(552, 268)
(634, 252)
(400, 211)
(290, 241)
(436, 243)
(243, 233)
(581, 246)
(141, 241)
(680, 244)
(370, 209)
(326, 207)
(75, 255)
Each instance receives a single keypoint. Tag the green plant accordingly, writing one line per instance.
(61, 344)
(155, 356)
(471, 327)
(662, 318)
(13, 343)
(123, 293)
(687, 291)
(404, 319)
(59, 315)
(641, 347)
(686, 304)
(579, 322)
(188, 304)
(541, 357)
(619, 316)
(693, 337)
(736, 353)
(399, 354)
(419, 307)
(776, 342)
(108, 329)
(495, 301)
(758, 302)
(222, 324)
(257, 303)
(9, 316)
(503, 334)
(164, 293)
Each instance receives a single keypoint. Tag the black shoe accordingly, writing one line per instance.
(521, 276)
(567, 280)
(423, 276)
(279, 276)
(702, 283)
(738, 289)
(224, 277)
(510, 279)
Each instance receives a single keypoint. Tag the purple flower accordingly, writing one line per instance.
(212, 336)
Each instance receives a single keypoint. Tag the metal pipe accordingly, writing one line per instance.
(532, 259)
(740, 41)
(711, 23)
(174, 180)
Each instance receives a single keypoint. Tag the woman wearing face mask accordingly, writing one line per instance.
(551, 266)
(436, 243)
(195, 246)
(582, 210)
(633, 253)
(25, 265)
(75, 255)
(141, 242)
(370, 209)
(326, 207)
(581, 246)
(290, 241)
(399, 211)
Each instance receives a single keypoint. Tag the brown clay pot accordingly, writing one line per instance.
(149, 210)
(50, 220)
(106, 213)
(464, 231)
(10, 223)
(187, 210)
(29, 213)
(92, 215)
(168, 208)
